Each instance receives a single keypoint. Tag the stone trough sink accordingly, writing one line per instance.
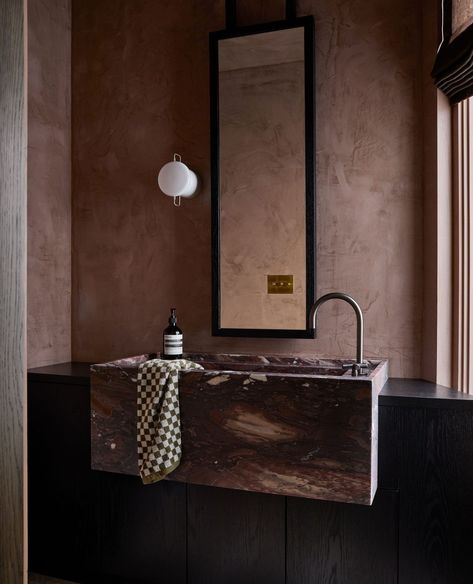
(295, 426)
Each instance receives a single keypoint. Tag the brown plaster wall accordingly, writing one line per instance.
(49, 182)
(140, 93)
(462, 16)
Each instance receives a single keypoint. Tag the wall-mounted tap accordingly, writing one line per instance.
(356, 368)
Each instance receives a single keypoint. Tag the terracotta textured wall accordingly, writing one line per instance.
(462, 16)
(49, 182)
(140, 93)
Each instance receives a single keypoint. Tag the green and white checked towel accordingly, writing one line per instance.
(158, 420)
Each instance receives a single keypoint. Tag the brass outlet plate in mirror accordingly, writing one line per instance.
(281, 284)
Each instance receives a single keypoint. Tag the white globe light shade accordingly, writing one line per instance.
(176, 179)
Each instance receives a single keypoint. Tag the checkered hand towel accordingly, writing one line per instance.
(159, 426)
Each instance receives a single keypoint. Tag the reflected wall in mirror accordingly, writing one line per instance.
(262, 180)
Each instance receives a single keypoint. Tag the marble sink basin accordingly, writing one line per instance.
(281, 364)
(296, 426)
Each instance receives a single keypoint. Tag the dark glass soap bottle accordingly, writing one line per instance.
(172, 338)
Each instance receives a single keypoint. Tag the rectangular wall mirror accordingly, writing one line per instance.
(263, 218)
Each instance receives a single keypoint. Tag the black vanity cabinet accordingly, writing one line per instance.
(94, 527)
(88, 526)
(62, 491)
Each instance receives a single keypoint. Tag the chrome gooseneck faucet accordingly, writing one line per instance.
(356, 368)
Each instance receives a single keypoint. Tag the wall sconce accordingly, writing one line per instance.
(177, 180)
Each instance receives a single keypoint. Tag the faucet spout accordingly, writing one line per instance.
(359, 318)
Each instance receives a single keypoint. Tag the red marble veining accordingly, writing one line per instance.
(299, 427)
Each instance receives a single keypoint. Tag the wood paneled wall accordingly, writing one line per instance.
(12, 288)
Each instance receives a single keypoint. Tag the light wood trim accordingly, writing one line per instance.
(468, 246)
(12, 290)
(461, 219)
(456, 248)
(437, 328)
(458, 245)
(463, 246)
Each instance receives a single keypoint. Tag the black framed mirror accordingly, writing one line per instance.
(263, 179)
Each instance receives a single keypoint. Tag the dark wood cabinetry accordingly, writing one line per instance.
(93, 527)
(343, 543)
(235, 536)
(62, 490)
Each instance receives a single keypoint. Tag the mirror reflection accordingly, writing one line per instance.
(262, 181)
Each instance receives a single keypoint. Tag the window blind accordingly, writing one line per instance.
(453, 68)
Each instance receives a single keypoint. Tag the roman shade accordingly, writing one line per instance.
(453, 69)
